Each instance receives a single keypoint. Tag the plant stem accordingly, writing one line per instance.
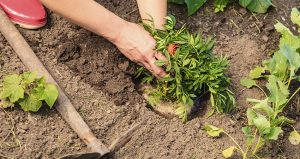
(235, 142)
(292, 96)
(256, 146)
(262, 90)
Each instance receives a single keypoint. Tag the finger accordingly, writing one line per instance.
(160, 56)
(157, 71)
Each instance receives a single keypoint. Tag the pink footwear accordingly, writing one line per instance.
(29, 14)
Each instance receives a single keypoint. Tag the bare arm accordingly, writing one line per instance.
(157, 9)
(131, 39)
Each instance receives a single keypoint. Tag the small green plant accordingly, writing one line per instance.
(265, 118)
(193, 70)
(258, 6)
(28, 91)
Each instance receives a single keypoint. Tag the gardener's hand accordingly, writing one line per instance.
(138, 45)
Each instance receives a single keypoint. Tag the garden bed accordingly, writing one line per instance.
(98, 80)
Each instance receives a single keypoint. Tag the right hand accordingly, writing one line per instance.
(139, 46)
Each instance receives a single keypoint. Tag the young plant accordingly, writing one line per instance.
(193, 70)
(27, 91)
(258, 6)
(265, 118)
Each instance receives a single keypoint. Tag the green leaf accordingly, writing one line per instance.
(262, 105)
(12, 88)
(278, 92)
(248, 134)
(160, 62)
(227, 153)
(29, 77)
(292, 56)
(248, 83)
(295, 16)
(294, 138)
(256, 72)
(262, 124)
(212, 130)
(251, 114)
(244, 3)
(281, 120)
(274, 133)
(50, 94)
(278, 66)
(259, 6)
(220, 5)
(31, 103)
(287, 37)
(194, 5)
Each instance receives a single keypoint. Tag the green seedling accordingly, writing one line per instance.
(27, 91)
(193, 71)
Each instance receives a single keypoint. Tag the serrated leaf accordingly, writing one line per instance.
(273, 134)
(287, 37)
(294, 138)
(248, 134)
(248, 83)
(31, 103)
(295, 16)
(227, 153)
(212, 130)
(278, 92)
(160, 62)
(50, 94)
(12, 88)
(262, 105)
(194, 5)
(262, 124)
(256, 72)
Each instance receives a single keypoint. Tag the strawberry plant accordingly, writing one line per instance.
(265, 118)
(27, 91)
(193, 70)
(258, 6)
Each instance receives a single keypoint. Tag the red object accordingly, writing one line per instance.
(27, 13)
(172, 49)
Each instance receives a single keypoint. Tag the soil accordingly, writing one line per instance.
(98, 80)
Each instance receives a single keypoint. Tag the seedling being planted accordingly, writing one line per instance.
(28, 91)
(193, 71)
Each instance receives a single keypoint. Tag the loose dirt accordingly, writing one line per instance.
(98, 80)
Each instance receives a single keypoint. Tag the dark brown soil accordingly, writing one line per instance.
(98, 80)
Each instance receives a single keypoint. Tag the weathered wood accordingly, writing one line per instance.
(63, 105)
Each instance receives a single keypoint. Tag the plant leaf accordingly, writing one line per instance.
(262, 124)
(12, 88)
(278, 92)
(160, 62)
(295, 16)
(212, 130)
(248, 83)
(29, 77)
(227, 153)
(31, 103)
(294, 138)
(292, 56)
(251, 114)
(256, 72)
(287, 37)
(50, 94)
(274, 133)
(194, 5)
(244, 3)
(259, 6)
(248, 134)
(262, 105)
(278, 66)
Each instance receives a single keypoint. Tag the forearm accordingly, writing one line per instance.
(157, 9)
(88, 14)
